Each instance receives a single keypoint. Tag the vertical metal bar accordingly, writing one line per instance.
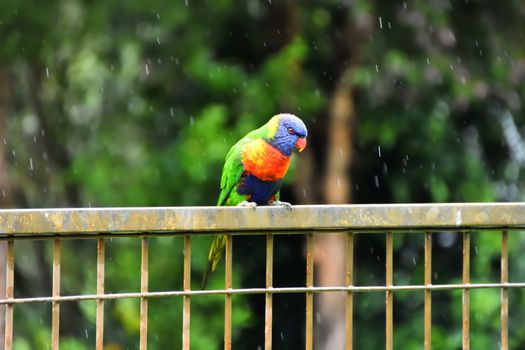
(466, 291)
(186, 300)
(428, 293)
(99, 342)
(55, 307)
(349, 325)
(143, 289)
(504, 291)
(389, 295)
(228, 296)
(268, 300)
(309, 295)
(9, 294)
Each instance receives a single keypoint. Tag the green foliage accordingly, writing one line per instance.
(137, 103)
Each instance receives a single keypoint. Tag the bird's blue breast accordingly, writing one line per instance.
(259, 191)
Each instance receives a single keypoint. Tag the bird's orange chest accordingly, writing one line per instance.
(264, 161)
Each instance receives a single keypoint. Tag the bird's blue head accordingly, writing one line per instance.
(287, 133)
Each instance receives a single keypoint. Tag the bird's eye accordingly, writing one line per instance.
(290, 131)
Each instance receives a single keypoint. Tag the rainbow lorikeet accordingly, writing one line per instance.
(254, 169)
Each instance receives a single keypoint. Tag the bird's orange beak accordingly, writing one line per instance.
(300, 144)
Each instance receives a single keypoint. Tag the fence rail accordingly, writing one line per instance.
(99, 223)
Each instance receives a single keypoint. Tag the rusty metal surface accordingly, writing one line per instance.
(309, 295)
(268, 314)
(465, 314)
(389, 301)
(99, 341)
(186, 313)
(9, 294)
(349, 312)
(55, 308)
(228, 296)
(144, 281)
(428, 293)
(504, 291)
(215, 219)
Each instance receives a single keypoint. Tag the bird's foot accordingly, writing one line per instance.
(247, 204)
(285, 205)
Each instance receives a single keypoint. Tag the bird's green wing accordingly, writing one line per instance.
(231, 174)
(232, 171)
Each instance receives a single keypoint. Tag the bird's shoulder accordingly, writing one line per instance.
(233, 166)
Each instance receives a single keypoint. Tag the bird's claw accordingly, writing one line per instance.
(285, 205)
(247, 204)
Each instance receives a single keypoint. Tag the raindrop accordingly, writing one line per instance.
(5, 142)
(379, 151)
(339, 182)
(186, 3)
(389, 25)
(282, 336)
(172, 112)
(86, 331)
(304, 193)
(14, 153)
(476, 249)
(428, 61)
(414, 261)
(158, 41)
(31, 164)
(377, 68)
(380, 22)
(158, 16)
(3, 193)
(146, 67)
(376, 181)
(340, 151)
(47, 72)
(192, 120)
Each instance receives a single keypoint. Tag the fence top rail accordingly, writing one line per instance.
(206, 220)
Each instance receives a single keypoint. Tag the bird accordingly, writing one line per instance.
(254, 169)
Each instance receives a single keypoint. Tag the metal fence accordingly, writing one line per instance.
(99, 224)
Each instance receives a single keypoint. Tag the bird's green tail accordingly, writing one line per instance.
(215, 255)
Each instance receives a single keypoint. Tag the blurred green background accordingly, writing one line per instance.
(135, 103)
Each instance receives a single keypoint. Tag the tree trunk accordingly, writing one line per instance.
(330, 248)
